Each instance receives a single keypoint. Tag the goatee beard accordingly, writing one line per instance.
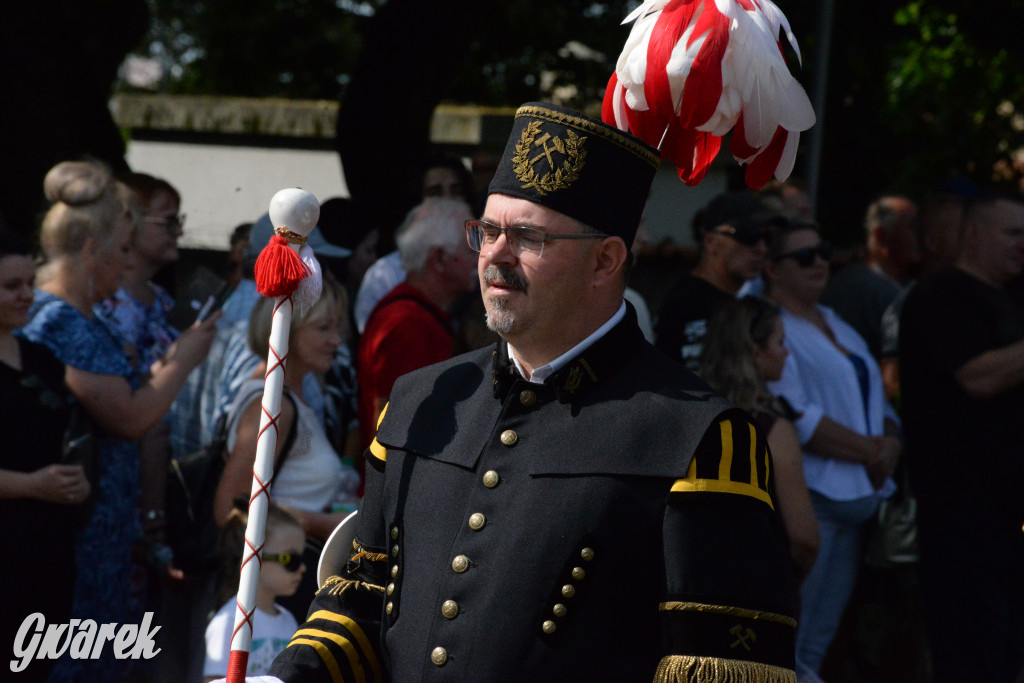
(500, 318)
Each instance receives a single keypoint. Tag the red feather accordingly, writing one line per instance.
(646, 127)
(762, 168)
(608, 104)
(703, 87)
(667, 31)
(738, 145)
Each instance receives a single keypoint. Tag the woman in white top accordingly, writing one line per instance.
(846, 429)
(313, 482)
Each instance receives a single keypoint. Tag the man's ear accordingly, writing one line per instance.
(436, 258)
(707, 242)
(609, 259)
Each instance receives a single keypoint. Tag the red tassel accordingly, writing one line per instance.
(279, 270)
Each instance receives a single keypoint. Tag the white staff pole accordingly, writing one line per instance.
(293, 213)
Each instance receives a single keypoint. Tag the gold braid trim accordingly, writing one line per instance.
(291, 237)
(358, 551)
(612, 134)
(690, 669)
(725, 609)
(335, 585)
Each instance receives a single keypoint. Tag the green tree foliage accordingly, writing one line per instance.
(301, 49)
(956, 89)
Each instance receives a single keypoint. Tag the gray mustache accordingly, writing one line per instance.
(504, 276)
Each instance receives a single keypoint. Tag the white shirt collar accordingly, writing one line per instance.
(543, 372)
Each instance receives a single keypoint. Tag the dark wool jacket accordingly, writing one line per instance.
(615, 523)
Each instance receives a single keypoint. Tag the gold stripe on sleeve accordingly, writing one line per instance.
(680, 606)
(694, 485)
(325, 655)
(357, 632)
(725, 464)
(753, 454)
(343, 643)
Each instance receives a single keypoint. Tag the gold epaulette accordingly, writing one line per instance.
(737, 462)
(335, 585)
(690, 669)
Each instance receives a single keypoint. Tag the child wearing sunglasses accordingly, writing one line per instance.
(280, 575)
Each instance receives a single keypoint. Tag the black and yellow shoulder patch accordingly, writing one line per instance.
(732, 458)
(376, 449)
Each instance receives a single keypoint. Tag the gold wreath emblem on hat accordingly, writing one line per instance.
(558, 176)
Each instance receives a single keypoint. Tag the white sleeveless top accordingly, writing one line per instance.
(313, 478)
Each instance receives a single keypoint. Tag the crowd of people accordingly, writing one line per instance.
(913, 353)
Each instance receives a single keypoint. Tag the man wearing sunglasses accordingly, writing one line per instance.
(569, 504)
(731, 232)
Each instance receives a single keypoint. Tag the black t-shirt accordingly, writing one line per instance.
(34, 410)
(684, 317)
(959, 447)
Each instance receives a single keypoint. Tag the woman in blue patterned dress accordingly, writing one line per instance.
(86, 236)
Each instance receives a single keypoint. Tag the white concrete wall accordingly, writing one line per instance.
(222, 186)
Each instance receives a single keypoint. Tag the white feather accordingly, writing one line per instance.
(619, 106)
(788, 158)
(308, 291)
(776, 20)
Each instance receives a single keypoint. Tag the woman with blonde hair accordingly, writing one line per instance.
(743, 350)
(86, 236)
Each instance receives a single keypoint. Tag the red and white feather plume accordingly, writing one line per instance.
(692, 70)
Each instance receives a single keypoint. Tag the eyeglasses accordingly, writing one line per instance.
(290, 561)
(520, 239)
(170, 223)
(747, 238)
(805, 257)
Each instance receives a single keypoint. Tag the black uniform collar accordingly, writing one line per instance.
(596, 363)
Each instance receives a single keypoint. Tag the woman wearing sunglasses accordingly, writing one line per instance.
(846, 428)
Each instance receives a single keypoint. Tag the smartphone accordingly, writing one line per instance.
(208, 308)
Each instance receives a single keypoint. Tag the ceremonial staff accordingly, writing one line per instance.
(286, 270)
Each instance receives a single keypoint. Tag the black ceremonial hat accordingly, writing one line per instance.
(578, 166)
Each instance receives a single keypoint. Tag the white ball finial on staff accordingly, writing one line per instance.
(284, 272)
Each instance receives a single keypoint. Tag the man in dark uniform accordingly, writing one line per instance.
(570, 505)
